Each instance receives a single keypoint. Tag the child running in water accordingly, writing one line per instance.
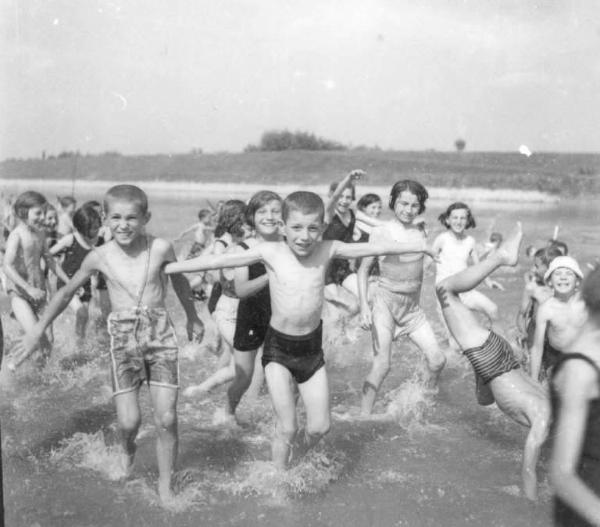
(560, 318)
(516, 394)
(75, 247)
(143, 344)
(25, 249)
(67, 206)
(203, 231)
(575, 388)
(293, 354)
(395, 309)
(263, 214)
(454, 249)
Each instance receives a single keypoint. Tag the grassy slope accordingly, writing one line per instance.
(572, 174)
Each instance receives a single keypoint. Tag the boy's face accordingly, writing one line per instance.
(267, 219)
(302, 232)
(35, 217)
(407, 207)
(563, 281)
(126, 221)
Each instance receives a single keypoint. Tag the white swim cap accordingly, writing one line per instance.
(566, 262)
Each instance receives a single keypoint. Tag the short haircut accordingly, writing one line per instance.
(204, 213)
(86, 219)
(26, 201)
(590, 291)
(231, 218)
(333, 186)
(304, 202)
(547, 254)
(366, 200)
(258, 200)
(413, 187)
(458, 205)
(496, 237)
(129, 193)
(65, 201)
(92, 203)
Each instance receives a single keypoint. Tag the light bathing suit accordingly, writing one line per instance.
(301, 355)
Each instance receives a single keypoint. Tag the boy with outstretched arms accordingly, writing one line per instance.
(143, 344)
(296, 270)
(515, 393)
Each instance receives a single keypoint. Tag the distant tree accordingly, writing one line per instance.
(460, 144)
(278, 140)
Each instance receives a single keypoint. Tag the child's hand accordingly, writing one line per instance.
(434, 255)
(355, 175)
(36, 294)
(195, 330)
(366, 319)
(22, 349)
(496, 285)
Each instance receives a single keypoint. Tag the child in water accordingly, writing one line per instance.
(66, 209)
(143, 345)
(293, 354)
(575, 388)
(25, 249)
(395, 308)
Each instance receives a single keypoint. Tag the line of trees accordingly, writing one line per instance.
(278, 140)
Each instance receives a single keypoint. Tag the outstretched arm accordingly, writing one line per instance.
(59, 302)
(244, 287)
(369, 220)
(575, 383)
(216, 261)
(360, 250)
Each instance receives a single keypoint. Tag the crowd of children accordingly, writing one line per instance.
(266, 268)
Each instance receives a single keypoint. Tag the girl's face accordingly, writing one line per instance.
(563, 281)
(35, 217)
(407, 207)
(51, 220)
(267, 219)
(93, 233)
(344, 201)
(373, 209)
(457, 221)
(539, 268)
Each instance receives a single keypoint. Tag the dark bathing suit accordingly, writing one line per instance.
(589, 463)
(339, 268)
(253, 314)
(74, 256)
(301, 355)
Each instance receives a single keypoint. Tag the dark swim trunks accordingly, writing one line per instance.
(493, 358)
(301, 355)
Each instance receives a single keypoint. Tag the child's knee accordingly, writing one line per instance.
(436, 361)
(319, 428)
(287, 431)
(165, 420)
(129, 423)
(382, 365)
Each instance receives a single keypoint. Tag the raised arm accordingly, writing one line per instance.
(330, 205)
(185, 232)
(576, 384)
(57, 304)
(216, 261)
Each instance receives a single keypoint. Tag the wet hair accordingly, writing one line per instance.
(496, 237)
(560, 245)
(204, 213)
(414, 187)
(458, 205)
(260, 199)
(333, 186)
(86, 219)
(366, 200)
(304, 202)
(547, 254)
(590, 291)
(26, 201)
(65, 201)
(129, 193)
(231, 218)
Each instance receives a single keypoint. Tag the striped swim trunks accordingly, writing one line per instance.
(493, 358)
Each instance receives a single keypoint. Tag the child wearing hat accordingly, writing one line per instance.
(560, 318)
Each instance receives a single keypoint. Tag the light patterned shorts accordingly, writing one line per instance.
(401, 311)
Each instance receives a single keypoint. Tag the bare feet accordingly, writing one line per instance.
(509, 250)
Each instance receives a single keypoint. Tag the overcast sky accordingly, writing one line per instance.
(150, 76)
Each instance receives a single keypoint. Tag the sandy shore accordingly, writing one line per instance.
(500, 197)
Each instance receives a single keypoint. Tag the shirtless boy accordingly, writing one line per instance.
(292, 351)
(143, 345)
(560, 318)
(516, 394)
(25, 248)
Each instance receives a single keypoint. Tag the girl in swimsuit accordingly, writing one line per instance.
(75, 247)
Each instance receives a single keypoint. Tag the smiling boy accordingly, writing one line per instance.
(143, 344)
(293, 353)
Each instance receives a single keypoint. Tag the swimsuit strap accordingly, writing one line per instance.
(244, 245)
(581, 356)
